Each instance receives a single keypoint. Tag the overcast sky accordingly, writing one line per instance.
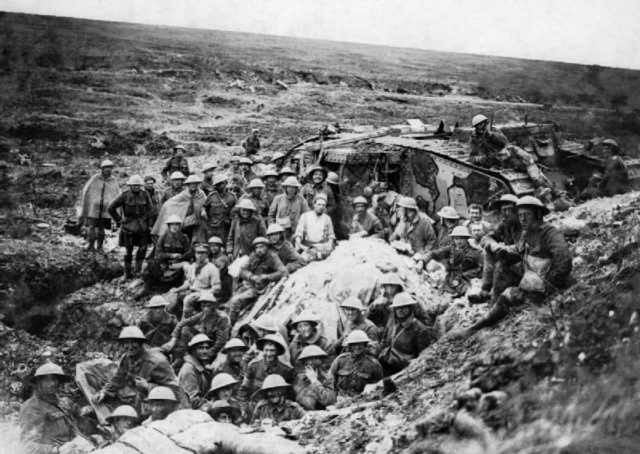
(604, 32)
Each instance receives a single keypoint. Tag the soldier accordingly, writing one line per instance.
(272, 346)
(121, 420)
(476, 218)
(513, 157)
(274, 405)
(277, 160)
(157, 324)
(379, 312)
(616, 176)
(176, 182)
(314, 233)
(139, 368)
(220, 259)
(194, 376)
(207, 177)
(544, 256)
(462, 261)
(255, 196)
(161, 403)
(193, 224)
(149, 186)
(97, 194)
(353, 310)
(225, 412)
(217, 208)
(314, 386)
(262, 268)
(354, 369)
(224, 387)
(251, 143)
(404, 336)
(288, 206)
(176, 163)
(316, 184)
(364, 223)
(449, 218)
(485, 143)
(592, 191)
(415, 228)
(496, 274)
(233, 364)
(272, 188)
(285, 173)
(136, 209)
(235, 164)
(245, 228)
(246, 172)
(261, 327)
(307, 326)
(44, 426)
(338, 215)
(285, 250)
(210, 321)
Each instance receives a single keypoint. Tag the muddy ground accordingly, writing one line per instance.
(74, 92)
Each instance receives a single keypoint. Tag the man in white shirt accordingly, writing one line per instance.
(314, 234)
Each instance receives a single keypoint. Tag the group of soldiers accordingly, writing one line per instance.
(188, 351)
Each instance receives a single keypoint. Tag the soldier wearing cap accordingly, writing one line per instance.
(355, 368)
(485, 143)
(289, 206)
(207, 176)
(273, 404)
(314, 385)
(364, 223)
(101, 189)
(316, 184)
(543, 258)
(285, 250)
(354, 312)
(251, 143)
(176, 183)
(44, 426)
(272, 346)
(245, 228)
(135, 223)
(314, 233)
(254, 195)
(415, 228)
(218, 207)
(122, 419)
(160, 403)
(496, 274)
(157, 324)
(404, 336)
(194, 377)
(616, 176)
(224, 387)
(463, 262)
(272, 187)
(233, 364)
(262, 268)
(380, 312)
(308, 332)
(140, 368)
(176, 163)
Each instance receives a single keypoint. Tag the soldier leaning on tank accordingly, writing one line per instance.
(176, 163)
(616, 176)
(485, 143)
(218, 207)
(355, 368)
(134, 223)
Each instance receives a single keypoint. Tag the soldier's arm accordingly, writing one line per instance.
(31, 428)
(191, 321)
(297, 412)
(294, 260)
(116, 203)
(165, 170)
(189, 384)
(262, 230)
(561, 262)
(279, 270)
(441, 253)
(324, 392)
(230, 237)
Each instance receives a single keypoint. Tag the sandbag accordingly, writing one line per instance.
(150, 441)
(202, 437)
(179, 421)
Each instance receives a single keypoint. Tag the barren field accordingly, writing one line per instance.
(74, 92)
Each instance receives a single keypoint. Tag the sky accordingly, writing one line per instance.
(598, 32)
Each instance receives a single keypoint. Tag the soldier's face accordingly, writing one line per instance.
(360, 208)
(201, 256)
(214, 248)
(221, 187)
(269, 352)
(148, 185)
(107, 171)
(528, 217)
(177, 184)
(156, 313)
(208, 307)
(271, 181)
(47, 385)
(132, 347)
(235, 355)
(480, 128)
(475, 214)
(508, 210)
(351, 313)
(320, 206)
(477, 231)
(410, 213)
(290, 191)
(245, 167)
(313, 362)
(317, 176)
(403, 312)
(245, 213)
(179, 152)
(235, 165)
(208, 174)
(121, 425)
(225, 393)
(274, 238)
(160, 409)
(202, 352)
(135, 188)
(459, 241)
(357, 349)
(223, 417)
(193, 187)
(255, 192)
(261, 250)
(248, 338)
(174, 228)
(305, 329)
(275, 395)
(391, 290)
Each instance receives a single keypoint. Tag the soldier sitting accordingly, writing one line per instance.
(354, 369)
(354, 311)
(121, 420)
(157, 324)
(194, 376)
(273, 404)
(415, 228)
(307, 326)
(485, 143)
(225, 387)
(285, 250)
(364, 222)
(314, 386)
(233, 363)
(449, 219)
(314, 234)
(220, 259)
(379, 312)
(161, 403)
(251, 143)
(224, 412)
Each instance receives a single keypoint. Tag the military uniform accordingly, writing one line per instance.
(368, 224)
(269, 194)
(443, 236)
(616, 177)
(379, 312)
(43, 426)
(215, 325)
(260, 203)
(175, 164)
(251, 144)
(237, 371)
(283, 207)
(257, 371)
(315, 396)
(418, 233)
(484, 148)
(169, 243)
(218, 208)
(463, 264)
(170, 192)
(288, 411)
(365, 325)
(352, 374)
(242, 233)
(288, 256)
(158, 332)
(298, 344)
(310, 190)
(194, 379)
(496, 274)
(402, 342)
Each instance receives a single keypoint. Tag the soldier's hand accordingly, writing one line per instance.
(98, 397)
(311, 375)
(141, 383)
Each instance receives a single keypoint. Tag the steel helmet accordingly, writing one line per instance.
(200, 247)
(306, 316)
(266, 323)
(360, 200)
(149, 178)
(277, 155)
(221, 380)
(255, 183)
(234, 343)
(50, 369)
(274, 228)
(610, 142)
(278, 341)
(402, 299)
(135, 180)
(476, 120)
(315, 168)
(173, 219)
(131, 333)
(320, 195)
(180, 147)
(209, 166)
(106, 163)
(352, 302)
(507, 198)
(246, 204)
(448, 213)
(235, 158)
(333, 178)
(391, 279)
(199, 339)
(408, 202)
(221, 178)
(269, 173)
(177, 176)
(245, 160)
(162, 393)
(286, 171)
(193, 179)
(207, 297)
(215, 240)
(261, 240)
(274, 381)
(530, 201)
(291, 182)
(157, 301)
(357, 337)
(222, 406)
(123, 411)
(312, 351)
(460, 232)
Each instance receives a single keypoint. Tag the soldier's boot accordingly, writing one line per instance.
(138, 267)
(91, 239)
(140, 256)
(497, 312)
(128, 271)
(144, 291)
(100, 241)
